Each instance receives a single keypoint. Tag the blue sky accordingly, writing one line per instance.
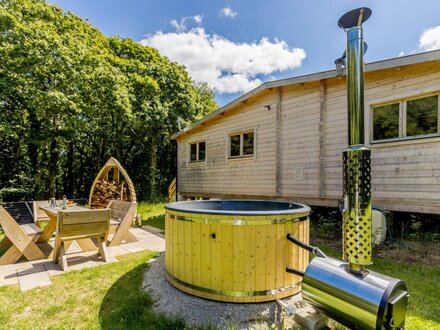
(236, 45)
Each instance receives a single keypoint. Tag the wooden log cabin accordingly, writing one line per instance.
(284, 140)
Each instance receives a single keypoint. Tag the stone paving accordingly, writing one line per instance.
(32, 274)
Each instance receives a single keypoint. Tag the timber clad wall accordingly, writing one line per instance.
(220, 175)
(300, 140)
(299, 144)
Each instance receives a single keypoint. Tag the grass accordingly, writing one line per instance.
(153, 214)
(2, 235)
(105, 297)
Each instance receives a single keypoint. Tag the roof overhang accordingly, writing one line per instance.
(373, 66)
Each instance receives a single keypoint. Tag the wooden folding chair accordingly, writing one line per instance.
(19, 240)
(122, 216)
(74, 225)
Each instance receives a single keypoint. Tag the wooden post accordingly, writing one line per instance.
(63, 257)
(278, 147)
(122, 190)
(116, 174)
(322, 96)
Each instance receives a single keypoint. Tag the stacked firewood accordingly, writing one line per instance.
(105, 191)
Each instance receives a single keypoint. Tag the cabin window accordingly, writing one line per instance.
(197, 151)
(386, 121)
(241, 144)
(422, 116)
(406, 119)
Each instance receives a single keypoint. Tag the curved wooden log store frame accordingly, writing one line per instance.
(121, 181)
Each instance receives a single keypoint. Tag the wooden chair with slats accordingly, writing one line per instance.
(19, 240)
(76, 225)
(39, 214)
(122, 217)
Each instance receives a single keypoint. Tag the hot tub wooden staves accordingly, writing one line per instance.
(235, 258)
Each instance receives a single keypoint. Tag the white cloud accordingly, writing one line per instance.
(175, 24)
(227, 66)
(402, 53)
(182, 25)
(198, 19)
(430, 39)
(228, 12)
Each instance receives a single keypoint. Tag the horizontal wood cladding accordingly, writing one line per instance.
(300, 112)
(219, 174)
(300, 140)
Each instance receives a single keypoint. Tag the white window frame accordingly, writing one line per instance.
(197, 143)
(241, 156)
(403, 119)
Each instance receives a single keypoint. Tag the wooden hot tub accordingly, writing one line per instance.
(235, 250)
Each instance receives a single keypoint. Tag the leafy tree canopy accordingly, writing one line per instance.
(71, 97)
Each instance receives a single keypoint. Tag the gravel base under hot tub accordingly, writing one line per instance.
(202, 312)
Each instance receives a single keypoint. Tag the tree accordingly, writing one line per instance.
(162, 92)
(71, 97)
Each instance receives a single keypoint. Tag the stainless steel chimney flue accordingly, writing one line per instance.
(355, 86)
(356, 211)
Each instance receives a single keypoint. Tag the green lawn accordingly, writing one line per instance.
(152, 214)
(105, 297)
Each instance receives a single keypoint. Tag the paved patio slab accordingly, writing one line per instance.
(33, 276)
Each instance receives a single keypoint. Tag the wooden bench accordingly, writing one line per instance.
(122, 216)
(19, 240)
(76, 225)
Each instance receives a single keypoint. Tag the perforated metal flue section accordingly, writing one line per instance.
(357, 218)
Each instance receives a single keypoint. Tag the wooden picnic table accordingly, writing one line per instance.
(86, 243)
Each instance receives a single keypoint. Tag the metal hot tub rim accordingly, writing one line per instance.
(243, 207)
(244, 236)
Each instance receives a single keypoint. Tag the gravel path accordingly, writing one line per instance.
(202, 312)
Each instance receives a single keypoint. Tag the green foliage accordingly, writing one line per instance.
(386, 121)
(71, 97)
(326, 223)
(206, 97)
(10, 194)
(422, 116)
(416, 227)
(153, 214)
